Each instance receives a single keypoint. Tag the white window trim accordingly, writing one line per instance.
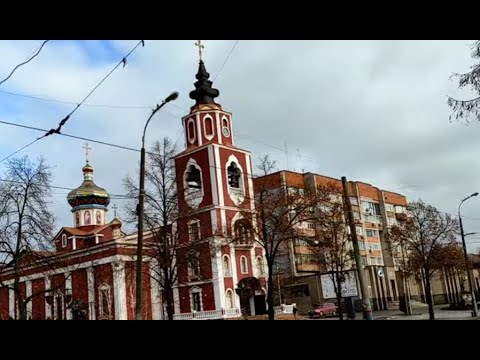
(191, 222)
(191, 275)
(241, 264)
(101, 310)
(64, 241)
(192, 291)
(230, 291)
(227, 272)
(224, 118)
(208, 137)
(236, 194)
(191, 139)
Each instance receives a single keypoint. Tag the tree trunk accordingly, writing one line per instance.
(428, 296)
(271, 311)
(169, 298)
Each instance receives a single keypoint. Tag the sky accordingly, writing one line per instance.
(373, 111)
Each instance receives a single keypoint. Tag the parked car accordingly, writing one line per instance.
(323, 309)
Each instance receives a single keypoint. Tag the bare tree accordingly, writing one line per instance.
(467, 109)
(26, 224)
(161, 212)
(276, 217)
(332, 245)
(424, 234)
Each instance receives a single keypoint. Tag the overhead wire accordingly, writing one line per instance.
(30, 58)
(66, 118)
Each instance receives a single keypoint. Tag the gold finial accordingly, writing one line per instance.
(200, 49)
(87, 150)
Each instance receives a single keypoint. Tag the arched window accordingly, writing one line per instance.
(225, 128)
(191, 131)
(230, 299)
(243, 265)
(226, 266)
(208, 127)
(243, 231)
(64, 241)
(194, 180)
(260, 266)
(98, 217)
(105, 302)
(194, 230)
(193, 264)
(77, 219)
(234, 175)
(87, 218)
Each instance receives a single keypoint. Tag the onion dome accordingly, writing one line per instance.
(203, 93)
(88, 194)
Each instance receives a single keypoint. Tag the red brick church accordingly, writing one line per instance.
(93, 265)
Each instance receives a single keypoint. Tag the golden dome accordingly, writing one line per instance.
(88, 193)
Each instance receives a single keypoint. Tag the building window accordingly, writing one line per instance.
(371, 208)
(208, 127)
(77, 219)
(353, 201)
(105, 302)
(243, 265)
(196, 303)
(194, 231)
(193, 265)
(87, 218)
(372, 233)
(225, 128)
(98, 217)
(310, 225)
(399, 209)
(364, 260)
(226, 266)
(191, 131)
(356, 215)
(361, 245)
(230, 299)
(64, 241)
(234, 176)
(242, 232)
(359, 230)
(194, 180)
(260, 266)
(389, 207)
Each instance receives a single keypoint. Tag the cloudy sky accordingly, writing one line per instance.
(373, 111)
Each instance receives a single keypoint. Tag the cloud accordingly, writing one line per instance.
(373, 111)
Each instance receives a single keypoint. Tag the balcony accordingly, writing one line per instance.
(401, 216)
(373, 219)
(307, 267)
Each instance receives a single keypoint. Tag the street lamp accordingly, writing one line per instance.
(140, 209)
(467, 264)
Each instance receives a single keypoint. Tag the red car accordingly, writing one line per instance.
(323, 309)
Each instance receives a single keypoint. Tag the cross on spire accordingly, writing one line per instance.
(200, 49)
(87, 150)
(114, 210)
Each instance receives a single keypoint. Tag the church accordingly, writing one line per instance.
(93, 264)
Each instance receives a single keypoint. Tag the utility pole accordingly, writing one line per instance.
(367, 306)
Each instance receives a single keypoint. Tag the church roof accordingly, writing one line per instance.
(88, 193)
(204, 93)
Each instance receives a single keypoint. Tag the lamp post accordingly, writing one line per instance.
(467, 264)
(140, 210)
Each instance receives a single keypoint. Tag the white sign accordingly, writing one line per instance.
(349, 286)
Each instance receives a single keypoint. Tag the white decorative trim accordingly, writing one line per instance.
(11, 303)
(120, 290)
(237, 195)
(219, 178)
(213, 180)
(218, 278)
(74, 243)
(223, 218)
(228, 272)
(248, 161)
(155, 293)
(233, 264)
(68, 287)
(191, 139)
(48, 309)
(64, 241)
(224, 117)
(199, 131)
(219, 128)
(246, 265)
(212, 121)
(176, 301)
(232, 305)
(195, 290)
(28, 293)
(91, 293)
(213, 218)
(193, 197)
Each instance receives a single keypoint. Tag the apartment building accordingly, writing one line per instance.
(298, 273)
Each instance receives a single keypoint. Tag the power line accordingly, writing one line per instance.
(64, 120)
(228, 56)
(25, 62)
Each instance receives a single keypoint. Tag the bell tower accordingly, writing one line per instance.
(214, 183)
